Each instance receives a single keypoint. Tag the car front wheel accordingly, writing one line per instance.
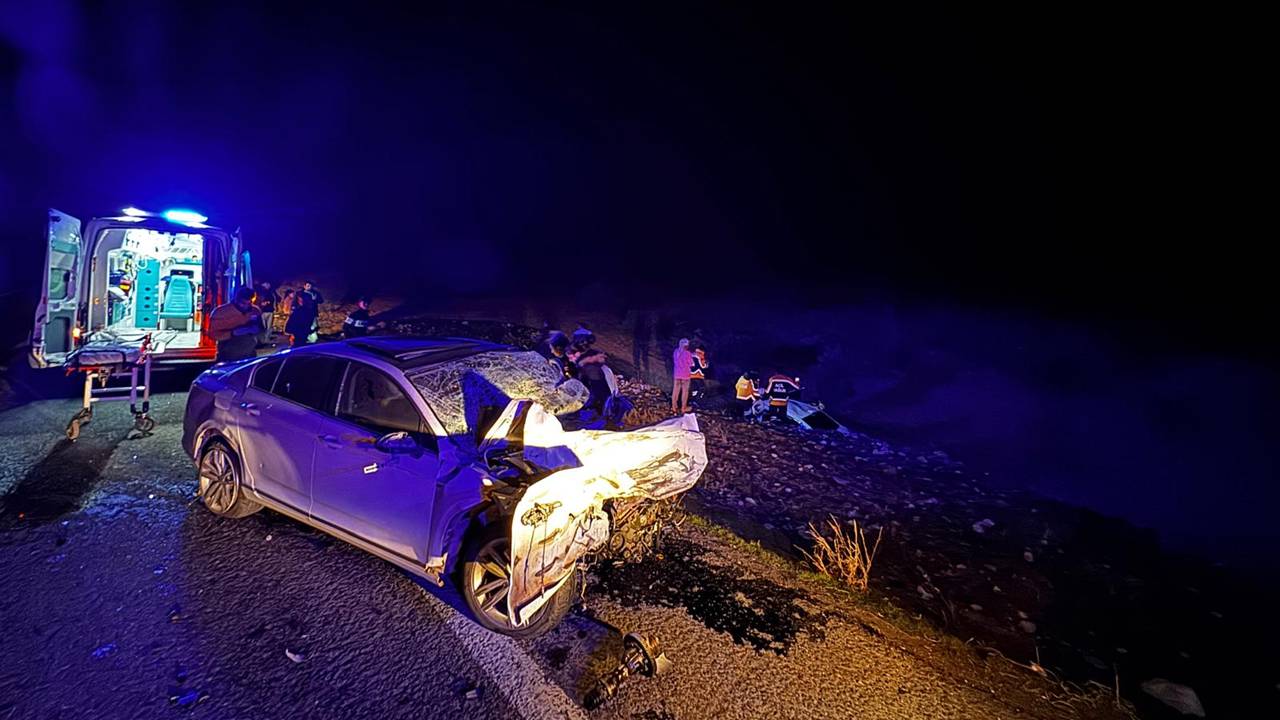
(485, 577)
(220, 484)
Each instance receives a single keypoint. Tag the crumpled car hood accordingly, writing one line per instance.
(561, 517)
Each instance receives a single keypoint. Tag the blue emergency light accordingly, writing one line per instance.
(184, 216)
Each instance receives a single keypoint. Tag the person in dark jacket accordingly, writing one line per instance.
(556, 350)
(302, 320)
(357, 323)
(265, 298)
(235, 327)
(698, 371)
(309, 288)
(591, 372)
(582, 337)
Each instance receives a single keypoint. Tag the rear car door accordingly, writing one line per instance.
(384, 499)
(277, 419)
(57, 314)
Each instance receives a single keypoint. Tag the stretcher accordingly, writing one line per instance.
(102, 362)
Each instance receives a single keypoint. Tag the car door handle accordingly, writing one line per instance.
(250, 408)
(330, 440)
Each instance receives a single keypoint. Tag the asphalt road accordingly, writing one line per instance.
(122, 597)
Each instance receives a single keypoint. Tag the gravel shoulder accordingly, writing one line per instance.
(123, 598)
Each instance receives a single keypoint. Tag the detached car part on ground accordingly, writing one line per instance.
(442, 457)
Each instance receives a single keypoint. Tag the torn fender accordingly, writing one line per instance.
(562, 517)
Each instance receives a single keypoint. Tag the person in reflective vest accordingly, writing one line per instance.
(746, 393)
(357, 323)
(780, 391)
(698, 371)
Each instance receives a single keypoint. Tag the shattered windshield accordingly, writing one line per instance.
(464, 392)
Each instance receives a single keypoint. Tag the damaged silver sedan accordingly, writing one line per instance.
(444, 457)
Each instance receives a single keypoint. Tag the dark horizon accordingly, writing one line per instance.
(944, 155)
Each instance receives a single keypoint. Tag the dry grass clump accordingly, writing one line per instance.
(642, 416)
(843, 555)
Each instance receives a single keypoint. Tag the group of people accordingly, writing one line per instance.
(761, 401)
(689, 369)
(246, 324)
(577, 357)
(754, 400)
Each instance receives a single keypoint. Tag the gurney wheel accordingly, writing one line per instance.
(144, 424)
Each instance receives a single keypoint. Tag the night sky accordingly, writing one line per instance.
(1069, 162)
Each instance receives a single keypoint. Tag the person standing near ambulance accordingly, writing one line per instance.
(235, 326)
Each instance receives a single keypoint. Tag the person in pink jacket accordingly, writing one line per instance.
(681, 363)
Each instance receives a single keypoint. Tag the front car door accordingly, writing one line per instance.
(384, 499)
(57, 315)
(277, 419)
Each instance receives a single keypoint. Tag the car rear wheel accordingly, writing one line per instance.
(220, 482)
(484, 577)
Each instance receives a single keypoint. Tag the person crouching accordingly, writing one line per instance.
(745, 392)
(780, 391)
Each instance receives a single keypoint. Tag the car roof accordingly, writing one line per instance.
(408, 352)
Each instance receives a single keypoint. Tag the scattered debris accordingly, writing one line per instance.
(983, 525)
(640, 656)
(297, 657)
(104, 650)
(1179, 697)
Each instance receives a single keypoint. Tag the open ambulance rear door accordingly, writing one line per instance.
(57, 319)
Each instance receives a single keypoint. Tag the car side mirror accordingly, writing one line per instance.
(398, 443)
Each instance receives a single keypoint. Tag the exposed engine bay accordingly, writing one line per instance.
(585, 494)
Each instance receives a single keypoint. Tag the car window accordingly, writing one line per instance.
(310, 380)
(374, 401)
(266, 374)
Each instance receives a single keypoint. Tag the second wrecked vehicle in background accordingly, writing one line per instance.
(440, 456)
